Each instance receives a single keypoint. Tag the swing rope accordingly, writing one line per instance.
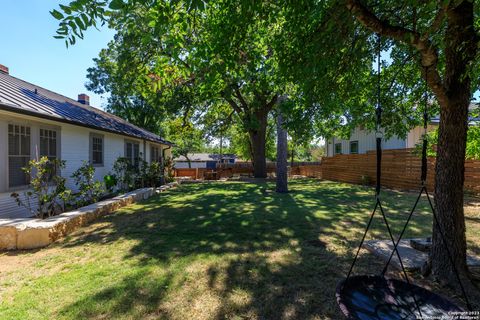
(378, 204)
(362, 285)
(423, 189)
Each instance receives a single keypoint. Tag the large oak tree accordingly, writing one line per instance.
(433, 40)
(327, 49)
(219, 52)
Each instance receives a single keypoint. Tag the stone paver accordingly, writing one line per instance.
(412, 259)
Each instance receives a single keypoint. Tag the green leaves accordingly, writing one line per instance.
(56, 14)
(116, 4)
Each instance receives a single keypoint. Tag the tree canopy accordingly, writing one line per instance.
(219, 54)
(321, 54)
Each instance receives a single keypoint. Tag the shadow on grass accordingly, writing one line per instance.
(263, 255)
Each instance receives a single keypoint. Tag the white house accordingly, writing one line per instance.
(362, 140)
(37, 122)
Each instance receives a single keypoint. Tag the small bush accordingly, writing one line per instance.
(125, 174)
(110, 181)
(48, 195)
(169, 169)
(90, 190)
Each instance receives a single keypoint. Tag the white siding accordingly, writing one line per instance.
(416, 134)
(366, 142)
(74, 149)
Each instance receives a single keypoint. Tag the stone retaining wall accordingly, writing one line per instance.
(37, 233)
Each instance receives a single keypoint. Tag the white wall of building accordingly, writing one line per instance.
(416, 134)
(366, 142)
(74, 148)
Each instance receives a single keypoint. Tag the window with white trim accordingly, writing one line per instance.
(19, 140)
(48, 144)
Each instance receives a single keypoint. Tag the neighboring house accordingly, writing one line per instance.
(203, 160)
(362, 141)
(37, 122)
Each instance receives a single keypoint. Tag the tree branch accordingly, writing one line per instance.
(240, 97)
(233, 104)
(272, 102)
(429, 56)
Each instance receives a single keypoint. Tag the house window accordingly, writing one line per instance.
(338, 148)
(48, 148)
(155, 155)
(353, 147)
(48, 144)
(132, 153)
(96, 149)
(18, 154)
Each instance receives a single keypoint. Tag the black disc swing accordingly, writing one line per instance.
(378, 297)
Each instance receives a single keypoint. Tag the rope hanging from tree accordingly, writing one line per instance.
(376, 297)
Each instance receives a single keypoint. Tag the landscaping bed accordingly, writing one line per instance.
(37, 233)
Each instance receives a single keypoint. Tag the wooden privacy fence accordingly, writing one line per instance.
(194, 173)
(400, 170)
(309, 169)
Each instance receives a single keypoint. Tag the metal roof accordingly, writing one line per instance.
(22, 97)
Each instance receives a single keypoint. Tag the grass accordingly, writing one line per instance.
(209, 251)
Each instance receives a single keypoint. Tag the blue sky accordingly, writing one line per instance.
(32, 54)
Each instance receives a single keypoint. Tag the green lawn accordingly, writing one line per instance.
(208, 251)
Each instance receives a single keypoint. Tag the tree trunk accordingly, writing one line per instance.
(450, 164)
(257, 141)
(293, 154)
(282, 174)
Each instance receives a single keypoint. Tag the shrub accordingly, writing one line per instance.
(141, 173)
(48, 195)
(89, 189)
(124, 174)
(155, 174)
(169, 169)
(110, 181)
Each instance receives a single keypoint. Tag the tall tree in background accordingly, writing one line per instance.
(220, 53)
(282, 173)
(186, 137)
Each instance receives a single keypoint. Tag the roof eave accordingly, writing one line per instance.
(12, 108)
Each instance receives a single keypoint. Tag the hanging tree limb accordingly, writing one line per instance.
(429, 55)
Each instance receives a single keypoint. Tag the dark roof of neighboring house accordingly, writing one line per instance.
(205, 157)
(22, 97)
(474, 106)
